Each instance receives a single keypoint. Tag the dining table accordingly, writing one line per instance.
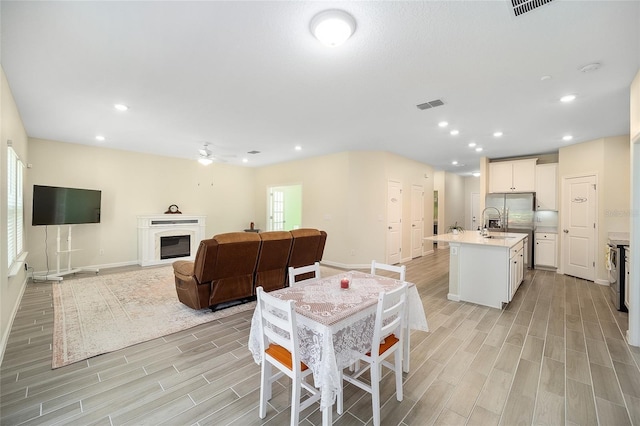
(335, 325)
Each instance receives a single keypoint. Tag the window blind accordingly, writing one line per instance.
(15, 220)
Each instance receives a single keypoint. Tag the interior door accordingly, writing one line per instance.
(417, 220)
(474, 218)
(394, 222)
(579, 226)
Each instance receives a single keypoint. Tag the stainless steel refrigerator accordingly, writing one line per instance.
(512, 212)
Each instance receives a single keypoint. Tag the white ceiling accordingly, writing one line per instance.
(249, 76)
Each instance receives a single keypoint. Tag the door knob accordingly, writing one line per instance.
(566, 231)
(390, 228)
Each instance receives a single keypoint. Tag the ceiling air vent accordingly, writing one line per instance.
(430, 104)
(253, 152)
(521, 7)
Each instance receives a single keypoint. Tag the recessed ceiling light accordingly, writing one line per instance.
(476, 174)
(332, 27)
(479, 149)
(455, 163)
(454, 132)
(567, 137)
(245, 160)
(568, 98)
(121, 107)
(100, 138)
(497, 134)
(472, 144)
(443, 124)
(545, 78)
(298, 148)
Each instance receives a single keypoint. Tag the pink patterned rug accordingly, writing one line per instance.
(101, 314)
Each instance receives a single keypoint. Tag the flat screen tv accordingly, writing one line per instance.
(54, 205)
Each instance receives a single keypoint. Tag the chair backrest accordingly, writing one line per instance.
(278, 324)
(308, 246)
(390, 315)
(402, 269)
(271, 270)
(303, 273)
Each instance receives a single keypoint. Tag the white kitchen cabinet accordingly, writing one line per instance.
(516, 268)
(513, 176)
(545, 250)
(547, 186)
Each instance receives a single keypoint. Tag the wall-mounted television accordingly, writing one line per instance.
(53, 205)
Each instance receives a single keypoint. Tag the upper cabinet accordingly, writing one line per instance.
(513, 176)
(547, 186)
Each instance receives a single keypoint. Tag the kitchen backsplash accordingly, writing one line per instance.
(546, 218)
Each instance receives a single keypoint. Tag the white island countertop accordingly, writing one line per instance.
(495, 239)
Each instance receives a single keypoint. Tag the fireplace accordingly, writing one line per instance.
(175, 246)
(165, 238)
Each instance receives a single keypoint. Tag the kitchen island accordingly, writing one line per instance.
(484, 270)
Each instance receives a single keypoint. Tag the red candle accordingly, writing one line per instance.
(344, 283)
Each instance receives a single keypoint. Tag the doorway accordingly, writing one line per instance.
(284, 207)
(394, 222)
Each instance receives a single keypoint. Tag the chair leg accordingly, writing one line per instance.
(296, 392)
(375, 393)
(339, 395)
(265, 387)
(398, 373)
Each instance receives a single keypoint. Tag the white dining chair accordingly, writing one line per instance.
(388, 338)
(280, 349)
(296, 272)
(401, 269)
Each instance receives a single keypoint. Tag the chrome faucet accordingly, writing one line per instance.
(484, 233)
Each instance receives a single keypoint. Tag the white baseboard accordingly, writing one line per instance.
(101, 266)
(602, 282)
(7, 331)
(454, 297)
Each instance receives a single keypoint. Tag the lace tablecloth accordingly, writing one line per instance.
(335, 325)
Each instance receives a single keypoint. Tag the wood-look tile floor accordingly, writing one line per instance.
(555, 355)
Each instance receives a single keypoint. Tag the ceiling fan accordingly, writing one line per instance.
(207, 156)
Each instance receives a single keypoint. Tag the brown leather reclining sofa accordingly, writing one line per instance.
(229, 267)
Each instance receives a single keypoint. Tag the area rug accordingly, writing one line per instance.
(100, 314)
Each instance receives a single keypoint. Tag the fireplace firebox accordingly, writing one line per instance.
(175, 246)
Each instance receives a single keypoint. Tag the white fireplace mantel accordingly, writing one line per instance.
(152, 227)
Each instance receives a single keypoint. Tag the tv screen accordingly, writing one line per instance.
(54, 205)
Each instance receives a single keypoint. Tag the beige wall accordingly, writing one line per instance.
(132, 184)
(608, 159)
(11, 128)
(345, 195)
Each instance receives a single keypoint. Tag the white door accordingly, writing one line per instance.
(417, 220)
(579, 226)
(276, 210)
(474, 217)
(394, 222)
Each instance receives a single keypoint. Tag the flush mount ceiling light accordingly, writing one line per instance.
(497, 134)
(332, 27)
(121, 107)
(567, 138)
(472, 144)
(100, 138)
(567, 98)
(443, 124)
(454, 132)
(298, 148)
(455, 163)
(479, 149)
(590, 67)
(475, 174)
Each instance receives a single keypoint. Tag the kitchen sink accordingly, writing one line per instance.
(498, 237)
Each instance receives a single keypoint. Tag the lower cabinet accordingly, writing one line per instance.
(516, 268)
(545, 250)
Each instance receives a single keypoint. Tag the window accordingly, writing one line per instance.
(15, 220)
